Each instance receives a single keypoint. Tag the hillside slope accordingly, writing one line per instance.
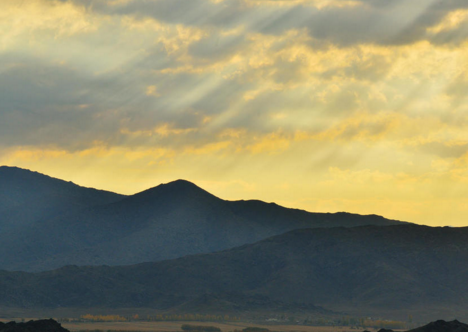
(28, 197)
(394, 268)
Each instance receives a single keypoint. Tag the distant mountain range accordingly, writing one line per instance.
(199, 253)
(402, 268)
(47, 223)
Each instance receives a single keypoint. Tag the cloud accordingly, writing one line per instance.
(356, 99)
(339, 22)
(28, 22)
(445, 149)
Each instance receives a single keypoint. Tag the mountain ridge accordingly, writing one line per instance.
(163, 222)
(28, 197)
(398, 268)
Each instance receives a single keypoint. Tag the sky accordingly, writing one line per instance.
(323, 105)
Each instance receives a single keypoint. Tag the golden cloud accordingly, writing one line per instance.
(451, 21)
(26, 22)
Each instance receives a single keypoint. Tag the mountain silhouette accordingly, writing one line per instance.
(168, 221)
(28, 197)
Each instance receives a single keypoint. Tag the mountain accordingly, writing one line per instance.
(442, 326)
(168, 221)
(27, 198)
(397, 269)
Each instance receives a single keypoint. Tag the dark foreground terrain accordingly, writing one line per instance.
(51, 325)
(45, 325)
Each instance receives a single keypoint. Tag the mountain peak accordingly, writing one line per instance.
(178, 190)
(181, 183)
(178, 185)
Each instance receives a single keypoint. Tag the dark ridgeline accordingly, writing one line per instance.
(47, 223)
(391, 268)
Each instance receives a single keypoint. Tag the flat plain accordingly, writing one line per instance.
(176, 326)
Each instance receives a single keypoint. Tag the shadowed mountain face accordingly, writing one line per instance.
(27, 198)
(396, 268)
(164, 222)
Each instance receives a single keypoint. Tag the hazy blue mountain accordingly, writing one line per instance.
(28, 197)
(164, 222)
(399, 268)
